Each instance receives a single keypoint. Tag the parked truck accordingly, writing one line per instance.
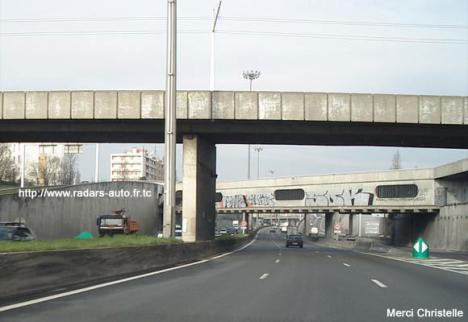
(116, 223)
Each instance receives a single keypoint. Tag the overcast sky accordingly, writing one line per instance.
(400, 46)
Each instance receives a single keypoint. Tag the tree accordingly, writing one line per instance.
(69, 173)
(8, 171)
(46, 171)
(396, 161)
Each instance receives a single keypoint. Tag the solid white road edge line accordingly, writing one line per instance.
(264, 276)
(94, 287)
(378, 283)
(418, 263)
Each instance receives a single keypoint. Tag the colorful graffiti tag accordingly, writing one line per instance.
(345, 197)
(247, 200)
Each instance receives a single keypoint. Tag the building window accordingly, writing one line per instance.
(397, 191)
(289, 194)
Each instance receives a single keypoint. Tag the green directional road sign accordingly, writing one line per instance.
(420, 249)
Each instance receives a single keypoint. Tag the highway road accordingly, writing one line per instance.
(266, 282)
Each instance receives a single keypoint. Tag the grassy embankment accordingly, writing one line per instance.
(235, 236)
(66, 244)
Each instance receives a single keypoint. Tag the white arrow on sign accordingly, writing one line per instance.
(420, 247)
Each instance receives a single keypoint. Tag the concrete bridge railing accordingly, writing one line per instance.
(232, 105)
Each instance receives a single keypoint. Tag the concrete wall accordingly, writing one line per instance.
(449, 230)
(300, 106)
(358, 189)
(53, 218)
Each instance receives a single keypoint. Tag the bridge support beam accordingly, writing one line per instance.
(199, 188)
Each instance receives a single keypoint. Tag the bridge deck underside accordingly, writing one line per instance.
(238, 132)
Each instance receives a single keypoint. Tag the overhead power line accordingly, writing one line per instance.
(345, 37)
(240, 33)
(239, 19)
(348, 23)
(95, 33)
(94, 19)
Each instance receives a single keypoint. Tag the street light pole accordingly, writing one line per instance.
(96, 167)
(258, 149)
(250, 75)
(23, 163)
(212, 63)
(170, 122)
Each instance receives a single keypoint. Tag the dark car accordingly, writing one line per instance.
(16, 233)
(294, 240)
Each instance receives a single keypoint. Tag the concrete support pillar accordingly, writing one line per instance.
(329, 223)
(350, 225)
(199, 188)
(306, 225)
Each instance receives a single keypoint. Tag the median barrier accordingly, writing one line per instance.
(29, 274)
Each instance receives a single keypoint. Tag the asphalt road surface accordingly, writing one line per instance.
(267, 282)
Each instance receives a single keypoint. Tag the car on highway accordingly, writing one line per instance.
(16, 233)
(178, 232)
(294, 240)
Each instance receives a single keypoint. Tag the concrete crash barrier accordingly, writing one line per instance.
(25, 275)
(363, 244)
(370, 245)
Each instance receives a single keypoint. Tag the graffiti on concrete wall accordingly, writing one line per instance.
(248, 200)
(344, 197)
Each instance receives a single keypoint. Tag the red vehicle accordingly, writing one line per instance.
(116, 223)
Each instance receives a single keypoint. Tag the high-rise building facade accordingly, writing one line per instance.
(136, 164)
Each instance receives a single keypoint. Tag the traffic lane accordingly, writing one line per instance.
(408, 285)
(302, 286)
(296, 289)
(311, 287)
(185, 294)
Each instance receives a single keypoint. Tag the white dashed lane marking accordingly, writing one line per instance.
(379, 283)
(264, 276)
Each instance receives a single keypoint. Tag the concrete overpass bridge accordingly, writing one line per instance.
(227, 117)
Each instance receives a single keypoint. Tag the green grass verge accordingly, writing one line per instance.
(229, 237)
(104, 242)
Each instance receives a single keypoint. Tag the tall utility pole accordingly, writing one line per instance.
(170, 122)
(250, 75)
(258, 149)
(22, 147)
(212, 59)
(96, 167)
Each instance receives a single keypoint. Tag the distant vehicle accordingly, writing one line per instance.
(273, 230)
(116, 223)
(16, 233)
(178, 232)
(223, 231)
(294, 240)
(12, 223)
(231, 230)
(314, 233)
